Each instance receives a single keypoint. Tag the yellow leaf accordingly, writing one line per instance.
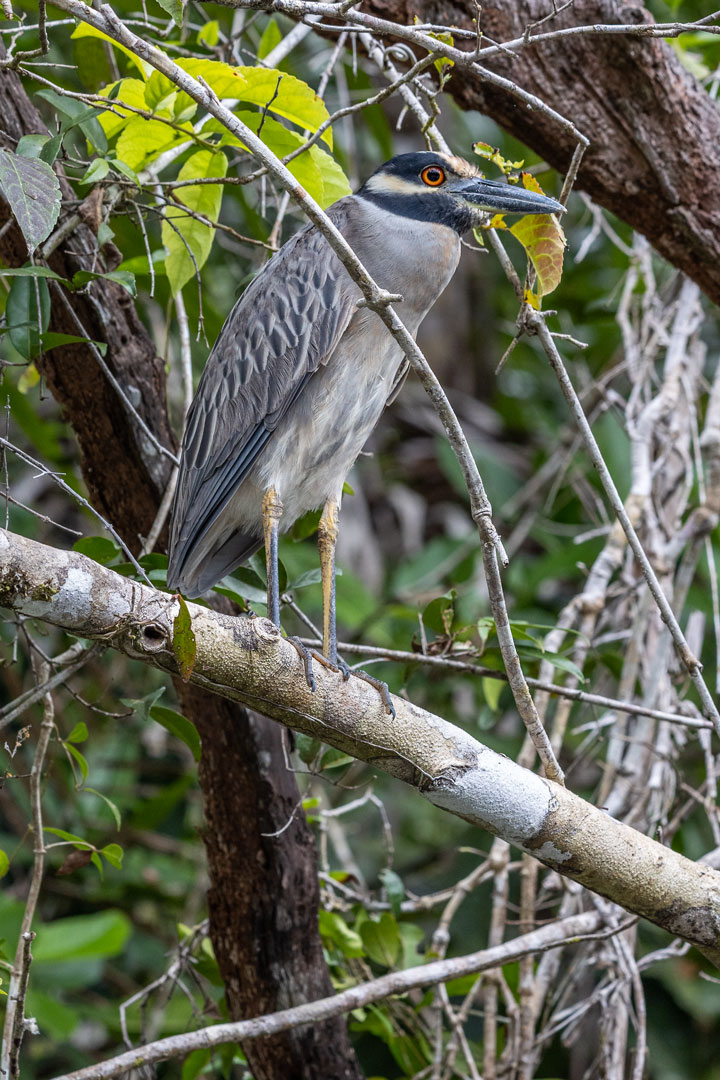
(29, 378)
(531, 298)
(544, 242)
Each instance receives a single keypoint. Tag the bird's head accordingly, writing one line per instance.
(431, 186)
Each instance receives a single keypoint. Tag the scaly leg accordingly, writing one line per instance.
(327, 537)
(271, 514)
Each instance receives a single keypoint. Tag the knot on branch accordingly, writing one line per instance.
(379, 299)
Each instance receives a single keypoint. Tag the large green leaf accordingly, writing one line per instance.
(185, 231)
(84, 30)
(141, 141)
(281, 93)
(129, 91)
(21, 311)
(100, 934)
(32, 189)
(315, 169)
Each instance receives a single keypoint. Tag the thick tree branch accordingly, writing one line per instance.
(247, 659)
(654, 131)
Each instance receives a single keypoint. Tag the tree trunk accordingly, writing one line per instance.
(264, 896)
(654, 132)
(264, 893)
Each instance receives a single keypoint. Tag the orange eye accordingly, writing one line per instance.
(433, 176)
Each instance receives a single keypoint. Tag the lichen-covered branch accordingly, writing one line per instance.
(248, 660)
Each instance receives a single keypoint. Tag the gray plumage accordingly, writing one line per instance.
(299, 375)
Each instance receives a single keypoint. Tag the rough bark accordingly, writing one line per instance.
(654, 132)
(124, 473)
(259, 886)
(264, 894)
(249, 660)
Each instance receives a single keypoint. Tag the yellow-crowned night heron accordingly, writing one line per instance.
(300, 375)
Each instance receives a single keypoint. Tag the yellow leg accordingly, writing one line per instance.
(271, 514)
(327, 536)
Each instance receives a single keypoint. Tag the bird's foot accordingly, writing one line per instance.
(307, 656)
(381, 687)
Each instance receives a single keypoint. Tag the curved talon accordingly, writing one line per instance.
(382, 689)
(306, 655)
(343, 669)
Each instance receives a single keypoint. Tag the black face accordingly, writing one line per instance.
(430, 186)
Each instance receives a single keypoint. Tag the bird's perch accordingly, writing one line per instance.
(248, 660)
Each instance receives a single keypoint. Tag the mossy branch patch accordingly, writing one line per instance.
(183, 642)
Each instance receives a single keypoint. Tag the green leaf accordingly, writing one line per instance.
(315, 169)
(33, 191)
(142, 706)
(55, 341)
(394, 888)
(311, 577)
(307, 747)
(4, 863)
(81, 761)
(179, 725)
(109, 803)
(51, 149)
(21, 311)
(159, 92)
(294, 100)
(114, 855)
(174, 8)
(381, 939)
(100, 549)
(79, 733)
(196, 1061)
(270, 38)
(412, 937)
(101, 934)
(492, 689)
(141, 141)
(77, 115)
(96, 170)
(333, 926)
(128, 91)
(562, 663)
(30, 145)
(209, 35)
(180, 231)
(84, 30)
(120, 277)
(306, 525)
(55, 1019)
(32, 271)
(184, 643)
(77, 841)
(335, 186)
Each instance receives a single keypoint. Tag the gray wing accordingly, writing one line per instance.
(286, 324)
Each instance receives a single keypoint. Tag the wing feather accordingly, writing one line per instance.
(285, 325)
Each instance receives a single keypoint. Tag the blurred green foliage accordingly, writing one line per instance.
(121, 788)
